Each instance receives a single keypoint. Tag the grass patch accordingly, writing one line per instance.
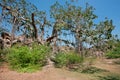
(109, 77)
(29, 69)
(92, 70)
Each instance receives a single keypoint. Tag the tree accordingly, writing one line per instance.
(80, 22)
(24, 16)
(102, 34)
(75, 19)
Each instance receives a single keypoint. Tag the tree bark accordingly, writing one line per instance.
(54, 33)
(35, 33)
(79, 45)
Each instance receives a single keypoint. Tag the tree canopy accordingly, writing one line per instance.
(79, 22)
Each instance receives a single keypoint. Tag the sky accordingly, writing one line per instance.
(103, 8)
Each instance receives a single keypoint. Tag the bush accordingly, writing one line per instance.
(60, 60)
(115, 52)
(67, 59)
(25, 58)
(74, 59)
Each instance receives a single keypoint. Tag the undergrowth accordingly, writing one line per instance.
(115, 52)
(28, 59)
(67, 59)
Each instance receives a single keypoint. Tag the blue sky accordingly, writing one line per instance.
(104, 8)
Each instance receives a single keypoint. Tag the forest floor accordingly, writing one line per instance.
(49, 72)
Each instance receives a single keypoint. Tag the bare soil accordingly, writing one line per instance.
(50, 73)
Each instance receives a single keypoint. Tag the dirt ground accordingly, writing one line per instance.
(50, 73)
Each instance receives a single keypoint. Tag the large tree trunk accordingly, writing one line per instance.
(35, 33)
(54, 33)
(42, 34)
(13, 30)
(42, 29)
(79, 45)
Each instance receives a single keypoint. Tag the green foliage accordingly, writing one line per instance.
(67, 59)
(80, 22)
(110, 77)
(74, 59)
(60, 59)
(115, 52)
(24, 58)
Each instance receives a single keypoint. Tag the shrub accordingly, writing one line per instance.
(23, 57)
(74, 59)
(67, 59)
(115, 52)
(60, 60)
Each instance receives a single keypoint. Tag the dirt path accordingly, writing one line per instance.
(47, 73)
(50, 73)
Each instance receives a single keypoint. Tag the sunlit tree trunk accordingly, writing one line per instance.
(54, 33)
